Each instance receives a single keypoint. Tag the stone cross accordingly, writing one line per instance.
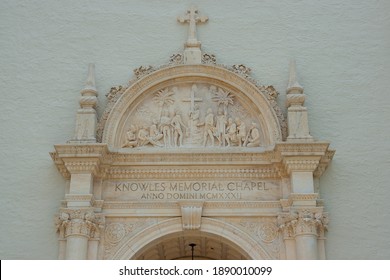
(192, 18)
(193, 99)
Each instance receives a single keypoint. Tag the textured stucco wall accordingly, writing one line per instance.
(343, 59)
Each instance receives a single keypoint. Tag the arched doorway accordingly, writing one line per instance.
(215, 240)
(205, 246)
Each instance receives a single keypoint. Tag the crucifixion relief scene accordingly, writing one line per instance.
(193, 115)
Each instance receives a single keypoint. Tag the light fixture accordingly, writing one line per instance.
(192, 245)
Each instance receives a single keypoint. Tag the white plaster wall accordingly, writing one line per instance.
(342, 52)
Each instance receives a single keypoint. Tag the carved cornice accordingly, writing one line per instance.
(304, 156)
(243, 204)
(197, 156)
(76, 165)
(301, 164)
(302, 149)
(287, 203)
(80, 197)
(138, 205)
(194, 173)
(324, 162)
(60, 165)
(76, 158)
(82, 222)
(207, 205)
(166, 164)
(81, 150)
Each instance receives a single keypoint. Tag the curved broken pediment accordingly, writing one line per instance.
(190, 106)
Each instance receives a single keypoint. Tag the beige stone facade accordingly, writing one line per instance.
(192, 152)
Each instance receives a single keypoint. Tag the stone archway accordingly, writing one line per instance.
(224, 242)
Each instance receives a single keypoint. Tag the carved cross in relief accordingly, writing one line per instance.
(192, 98)
(192, 18)
(194, 113)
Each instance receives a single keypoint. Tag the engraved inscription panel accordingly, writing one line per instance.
(232, 190)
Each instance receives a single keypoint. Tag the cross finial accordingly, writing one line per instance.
(192, 17)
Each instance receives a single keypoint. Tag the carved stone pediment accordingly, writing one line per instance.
(192, 106)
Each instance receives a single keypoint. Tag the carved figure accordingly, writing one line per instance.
(194, 120)
(165, 126)
(253, 139)
(231, 135)
(241, 131)
(131, 138)
(209, 128)
(155, 135)
(143, 137)
(177, 123)
(220, 129)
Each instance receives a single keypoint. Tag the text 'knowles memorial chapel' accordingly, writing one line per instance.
(192, 158)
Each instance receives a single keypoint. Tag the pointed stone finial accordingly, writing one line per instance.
(293, 84)
(297, 118)
(90, 85)
(295, 96)
(86, 118)
(192, 52)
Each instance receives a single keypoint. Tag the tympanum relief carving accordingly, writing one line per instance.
(192, 115)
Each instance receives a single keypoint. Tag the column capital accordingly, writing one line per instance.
(82, 222)
(303, 221)
(286, 223)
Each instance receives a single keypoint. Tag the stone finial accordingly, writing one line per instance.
(90, 85)
(298, 126)
(192, 52)
(88, 93)
(86, 118)
(293, 84)
(295, 96)
(192, 17)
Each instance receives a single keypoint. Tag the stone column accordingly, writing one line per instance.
(306, 236)
(321, 228)
(79, 226)
(286, 228)
(300, 169)
(301, 228)
(95, 238)
(77, 219)
(61, 237)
